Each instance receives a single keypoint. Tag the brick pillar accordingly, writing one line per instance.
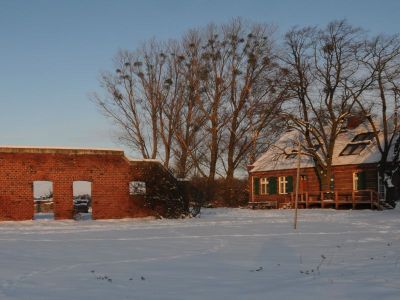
(63, 200)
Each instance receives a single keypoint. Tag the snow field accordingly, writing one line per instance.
(226, 253)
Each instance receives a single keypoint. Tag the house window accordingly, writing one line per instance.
(285, 184)
(366, 136)
(282, 184)
(359, 181)
(275, 157)
(355, 181)
(292, 155)
(353, 149)
(137, 188)
(264, 186)
(358, 144)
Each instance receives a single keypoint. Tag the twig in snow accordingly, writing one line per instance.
(323, 257)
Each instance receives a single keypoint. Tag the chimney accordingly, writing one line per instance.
(354, 121)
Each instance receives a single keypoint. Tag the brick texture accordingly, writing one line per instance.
(109, 172)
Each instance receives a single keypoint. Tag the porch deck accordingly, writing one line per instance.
(336, 199)
(324, 199)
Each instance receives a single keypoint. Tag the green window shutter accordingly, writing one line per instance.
(289, 184)
(361, 182)
(272, 186)
(256, 185)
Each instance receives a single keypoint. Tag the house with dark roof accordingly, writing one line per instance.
(355, 182)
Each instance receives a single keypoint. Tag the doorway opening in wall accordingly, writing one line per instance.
(43, 200)
(82, 191)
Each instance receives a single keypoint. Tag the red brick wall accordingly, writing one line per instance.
(343, 179)
(109, 171)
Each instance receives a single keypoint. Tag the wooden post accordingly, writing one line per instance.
(353, 200)
(297, 180)
(336, 199)
(252, 188)
(322, 200)
(306, 199)
(371, 198)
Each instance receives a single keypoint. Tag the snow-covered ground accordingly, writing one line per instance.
(224, 254)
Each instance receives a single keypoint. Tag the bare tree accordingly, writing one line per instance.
(192, 120)
(170, 109)
(381, 104)
(253, 97)
(125, 102)
(140, 98)
(151, 75)
(325, 78)
(213, 87)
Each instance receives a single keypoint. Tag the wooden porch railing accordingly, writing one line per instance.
(337, 198)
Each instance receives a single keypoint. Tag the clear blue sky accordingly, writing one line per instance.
(51, 52)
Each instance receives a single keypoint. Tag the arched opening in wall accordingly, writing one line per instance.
(82, 191)
(43, 200)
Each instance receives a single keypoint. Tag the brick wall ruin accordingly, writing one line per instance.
(109, 171)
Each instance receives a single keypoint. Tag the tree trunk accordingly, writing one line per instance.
(154, 134)
(167, 155)
(182, 161)
(213, 155)
(231, 161)
(326, 179)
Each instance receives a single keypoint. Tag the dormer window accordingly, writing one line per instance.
(353, 149)
(275, 158)
(292, 155)
(366, 136)
(358, 143)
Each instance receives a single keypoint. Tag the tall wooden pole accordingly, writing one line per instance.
(297, 181)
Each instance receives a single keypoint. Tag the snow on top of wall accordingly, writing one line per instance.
(276, 159)
(144, 159)
(70, 150)
(58, 148)
(63, 150)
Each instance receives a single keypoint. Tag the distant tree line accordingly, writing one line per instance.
(209, 103)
